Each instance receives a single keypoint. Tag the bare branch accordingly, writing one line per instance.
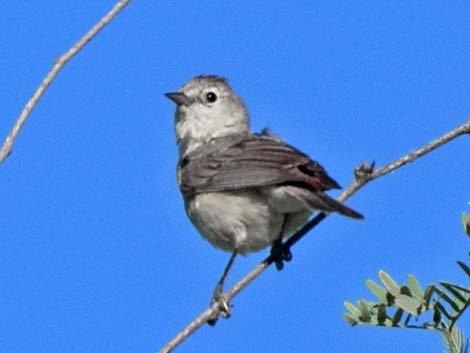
(364, 178)
(52, 74)
(364, 174)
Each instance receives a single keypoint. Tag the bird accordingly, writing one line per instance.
(243, 191)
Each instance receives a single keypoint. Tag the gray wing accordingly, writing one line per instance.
(250, 161)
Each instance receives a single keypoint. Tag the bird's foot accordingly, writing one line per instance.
(279, 254)
(220, 299)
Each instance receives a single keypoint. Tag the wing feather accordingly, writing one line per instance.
(249, 161)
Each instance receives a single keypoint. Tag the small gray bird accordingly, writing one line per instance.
(242, 191)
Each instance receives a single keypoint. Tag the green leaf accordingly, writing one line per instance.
(464, 267)
(407, 320)
(448, 299)
(455, 290)
(390, 299)
(437, 315)
(397, 317)
(352, 309)
(443, 310)
(350, 319)
(408, 304)
(414, 286)
(389, 283)
(381, 314)
(428, 292)
(365, 311)
(466, 223)
(454, 340)
(463, 290)
(377, 290)
(406, 291)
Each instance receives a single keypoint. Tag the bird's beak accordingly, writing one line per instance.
(179, 98)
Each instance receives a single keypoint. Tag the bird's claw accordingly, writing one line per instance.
(279, 254)
(222, 302)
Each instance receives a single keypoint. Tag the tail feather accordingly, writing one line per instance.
(322, 202)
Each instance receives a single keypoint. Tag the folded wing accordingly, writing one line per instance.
(250, 161)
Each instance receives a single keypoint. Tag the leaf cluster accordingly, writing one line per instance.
(437, 307)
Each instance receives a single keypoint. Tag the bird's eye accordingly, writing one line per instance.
(211, 97)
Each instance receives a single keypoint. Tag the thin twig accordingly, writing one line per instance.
(52, 74)
(364, 174)
(410, 157)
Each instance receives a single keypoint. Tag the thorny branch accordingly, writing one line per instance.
(363, 174)
(52, 74)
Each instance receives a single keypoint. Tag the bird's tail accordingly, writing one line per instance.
(322, 202)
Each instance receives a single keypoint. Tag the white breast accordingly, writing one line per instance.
(230, 220)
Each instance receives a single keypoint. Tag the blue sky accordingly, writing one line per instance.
(97, 254)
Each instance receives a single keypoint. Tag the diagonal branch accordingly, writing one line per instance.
(52, 74)
(364, 174)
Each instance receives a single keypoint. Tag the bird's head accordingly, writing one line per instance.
(206, 108)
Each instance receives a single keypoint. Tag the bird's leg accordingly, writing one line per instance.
(220, 284)
(278, 253)
(218, 296)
